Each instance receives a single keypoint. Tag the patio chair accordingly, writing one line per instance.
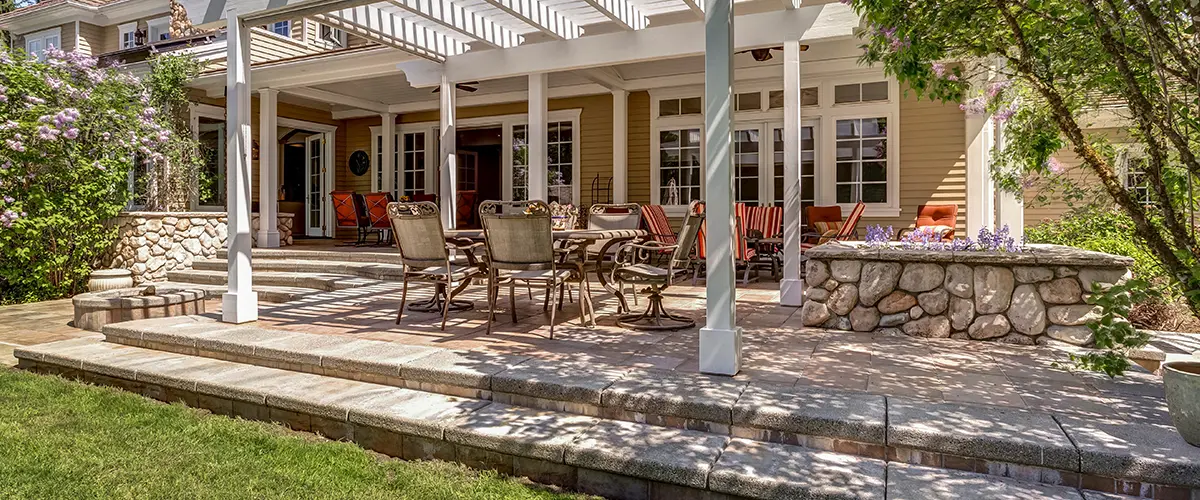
(376, 215)
(940, 219)
(425, 197)
(465, 202)
(658, 225)
(424, 251)
(763, 223)
(743, 253)
(828, 225)
(348, 213)
(632, 268)
(563, 216)
(521, 249)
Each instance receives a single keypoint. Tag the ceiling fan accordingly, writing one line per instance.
(764, 54)
(464, 86)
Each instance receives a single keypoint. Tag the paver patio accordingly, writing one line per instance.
(776, 349)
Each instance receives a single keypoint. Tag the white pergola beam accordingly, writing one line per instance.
(621, 12)
(608, 77)
(336, 98)
(464, 22)
(609, 49)
(539, 16)
(383, 27)
(697, 6)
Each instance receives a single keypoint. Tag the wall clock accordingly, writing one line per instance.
(360, 163)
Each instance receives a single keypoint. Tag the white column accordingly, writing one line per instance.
(980, 190)
(1010, 207)
(387, 138)
(791, 291)
(720, 339)
(448, 171)
(538, 137)
(268, 169)
(620, 165)
(240, 303)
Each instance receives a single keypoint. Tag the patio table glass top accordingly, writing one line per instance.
(566, 234)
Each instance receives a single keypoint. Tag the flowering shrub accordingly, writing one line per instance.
(925, 238)
(71, 131)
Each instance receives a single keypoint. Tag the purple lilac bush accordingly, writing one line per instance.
(927, 239)
(70, 130)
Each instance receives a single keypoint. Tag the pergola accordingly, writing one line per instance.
(466, 40)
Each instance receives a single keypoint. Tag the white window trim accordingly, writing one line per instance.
(163, 23)
(124, 29)
(271, 28)
(506, 123)
(199, 111)
(823, 117)
(42, 36)
(342, 42)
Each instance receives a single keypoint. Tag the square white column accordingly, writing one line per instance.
(620, 161)
(981, 194)
(538, 138)
(1010, 207)
(240, 303)
(387, 163)
(721, 338)
(268, 169)
(448, 171)
(791, 287)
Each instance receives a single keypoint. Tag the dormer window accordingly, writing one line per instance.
(37, 43)
(128, 35)
(159, 29)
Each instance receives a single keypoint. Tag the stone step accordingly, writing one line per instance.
(1002, 442)
(611, 458)
(382, 255)
(369, 270)
(268, 294)
(327, 282)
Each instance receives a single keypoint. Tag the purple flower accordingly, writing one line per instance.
(47, 134)
(939, 69)
(974, 106)
(1006, 113)
(953, 78)
(878, 235)
(15, 145)
(1054, 165)
(71, 133)
(995, 88)
(34, 100)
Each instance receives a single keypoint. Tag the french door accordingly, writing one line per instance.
(808, 167)
(315, 166)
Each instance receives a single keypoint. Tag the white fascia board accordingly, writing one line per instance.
(464, 22)
(621, 12)
(319, 69)
(608, 77)
(500, 98)
(666, 42)
(385, 28)
(47, 17)
(539, 16)
(335, 98)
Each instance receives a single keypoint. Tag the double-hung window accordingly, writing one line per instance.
(680, 171)
(861, 154)
(158, 29)
(282, 28)
(37, 43)
(128, 35)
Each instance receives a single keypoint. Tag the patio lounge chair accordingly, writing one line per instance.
(521, 248)
(425, 252)
(827, 225)
(632, 269)
(940, 219)
(658, 225)
(763, 223)
(743, 253)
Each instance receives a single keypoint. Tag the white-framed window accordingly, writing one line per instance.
(833, 167)
(680, 165)
(209, 128)
(560, 162)
(681, 106)
(127, 35)
(330, 36)
(413, 162)
(158, 30)
(520, 162)
(410, 162)
(282, 28)
(37, 43)
(1133, 172)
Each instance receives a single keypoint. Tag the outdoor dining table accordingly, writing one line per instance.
(585, 237)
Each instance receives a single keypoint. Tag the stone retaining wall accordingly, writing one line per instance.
(1022, 298)
(151, 243)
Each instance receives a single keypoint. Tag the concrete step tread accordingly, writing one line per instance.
(821, 418)
(266, 293)
(372, 270)
(322, 281)
(671, 456)
(351, 254)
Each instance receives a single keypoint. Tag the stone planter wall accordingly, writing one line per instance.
(150, 244)
(1023, 298)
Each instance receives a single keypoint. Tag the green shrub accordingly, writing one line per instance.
(1100, 229)
(70, 132)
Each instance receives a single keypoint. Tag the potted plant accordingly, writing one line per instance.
(1182, 381)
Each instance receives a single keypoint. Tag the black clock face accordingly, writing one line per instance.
(360, 163)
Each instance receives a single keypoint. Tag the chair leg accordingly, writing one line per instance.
(549, 290)
(512, 299)
(403, 299)
(446, 306)
(585, 298)
(491, 292)
(545, 300)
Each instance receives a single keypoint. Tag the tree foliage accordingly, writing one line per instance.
(1047, 70)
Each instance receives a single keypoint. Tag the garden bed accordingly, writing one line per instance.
(1034, 295)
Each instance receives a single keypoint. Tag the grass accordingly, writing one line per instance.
(64, 439)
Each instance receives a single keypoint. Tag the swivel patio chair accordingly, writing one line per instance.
(425, 253)
(938, 219)
(521, 249)
(632, 267)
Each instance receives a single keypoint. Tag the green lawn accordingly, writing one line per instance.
(62, 439)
